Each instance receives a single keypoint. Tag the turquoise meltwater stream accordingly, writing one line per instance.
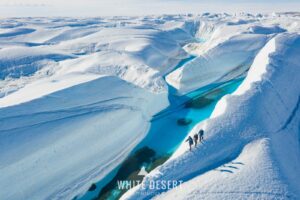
(167, 131)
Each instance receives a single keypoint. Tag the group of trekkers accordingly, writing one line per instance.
(194, 140)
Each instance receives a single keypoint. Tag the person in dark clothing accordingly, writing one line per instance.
(195, 139)
(190, 141)
(201, 135)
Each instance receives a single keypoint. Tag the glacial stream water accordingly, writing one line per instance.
(168, 129)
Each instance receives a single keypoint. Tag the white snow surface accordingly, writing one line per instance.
(251, 148)
(77, 95)
(229, 51)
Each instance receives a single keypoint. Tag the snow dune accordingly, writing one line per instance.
(251, 147)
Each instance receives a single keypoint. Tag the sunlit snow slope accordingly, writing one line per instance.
(251, 148)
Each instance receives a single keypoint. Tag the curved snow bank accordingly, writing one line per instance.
(54, 147)
(122, 65)
(156, 48)
(222, 63)
(83, 69)
(263, 113)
